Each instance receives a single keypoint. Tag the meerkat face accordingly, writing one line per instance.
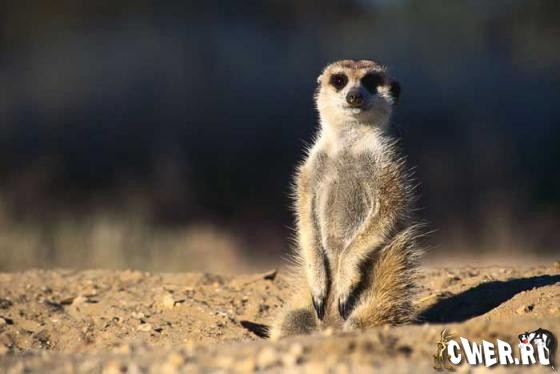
(356, 91)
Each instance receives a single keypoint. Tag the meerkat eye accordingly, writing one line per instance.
(371, 81)
(338, 81)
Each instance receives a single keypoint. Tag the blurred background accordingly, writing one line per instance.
(162, 135)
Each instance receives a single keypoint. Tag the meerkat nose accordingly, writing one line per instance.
(354, 97)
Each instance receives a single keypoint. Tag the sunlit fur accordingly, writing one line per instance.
(355, 237)
(332, 106)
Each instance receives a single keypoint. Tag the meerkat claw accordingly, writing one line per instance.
(343, 309)
(319, 305)
(345, 306)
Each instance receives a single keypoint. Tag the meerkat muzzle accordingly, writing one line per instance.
(354, 97)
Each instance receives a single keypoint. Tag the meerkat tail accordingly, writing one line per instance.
(297, 317)
(388, 299)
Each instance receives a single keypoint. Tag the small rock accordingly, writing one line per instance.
(78, 300)
(7, 340)
(293, 356)
(328, 331)
(123, 349)
(270, 275)
(46, 289)
(133, 369)
(30, 326)
(88, 333)
(525, 309)
(43, 337)
(267, 358)
(224, 362)
(246, 365)
(130, 276)
(175, 360)
(67, 301)
(189, 347)
(168, 301)
(113, 367)
(3, 322)
(54, 306)
(5, 303)
(144, 327)
(342, 368)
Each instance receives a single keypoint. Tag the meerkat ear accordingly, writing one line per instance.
(395, 89)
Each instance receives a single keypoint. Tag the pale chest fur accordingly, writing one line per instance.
(345, 190)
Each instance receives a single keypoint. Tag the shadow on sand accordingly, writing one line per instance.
(461, 307)
(260, 330)
(481, 299)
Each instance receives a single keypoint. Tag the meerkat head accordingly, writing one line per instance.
(352, 91)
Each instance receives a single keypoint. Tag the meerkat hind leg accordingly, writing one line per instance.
(387, 298)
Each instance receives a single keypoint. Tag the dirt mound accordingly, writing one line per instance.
(92, 321)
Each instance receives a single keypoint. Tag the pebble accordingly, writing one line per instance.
(171, 365)
(113, 367)
(122, 349)
(144, 327)
(29, 325)
(246, 365)
(175, 359)
(133, 369)
(267, 358)
(293, 356)
(525, 309)
(168, 301)
(5, 303)
(224, 362)
(79, 300)
(270, 275)
(329, 331)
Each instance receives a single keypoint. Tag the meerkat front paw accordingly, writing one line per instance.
(319, 305)
(319, 289)
(345, 305)
(346, 286)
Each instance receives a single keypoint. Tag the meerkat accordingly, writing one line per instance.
(357, 253)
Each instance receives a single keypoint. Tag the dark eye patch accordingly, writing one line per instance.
(371, 81)
(338, 81)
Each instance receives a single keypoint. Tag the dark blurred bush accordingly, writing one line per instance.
(161, 118)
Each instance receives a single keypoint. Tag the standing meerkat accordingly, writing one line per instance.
(357, 255)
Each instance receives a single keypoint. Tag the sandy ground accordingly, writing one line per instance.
(107, 321)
